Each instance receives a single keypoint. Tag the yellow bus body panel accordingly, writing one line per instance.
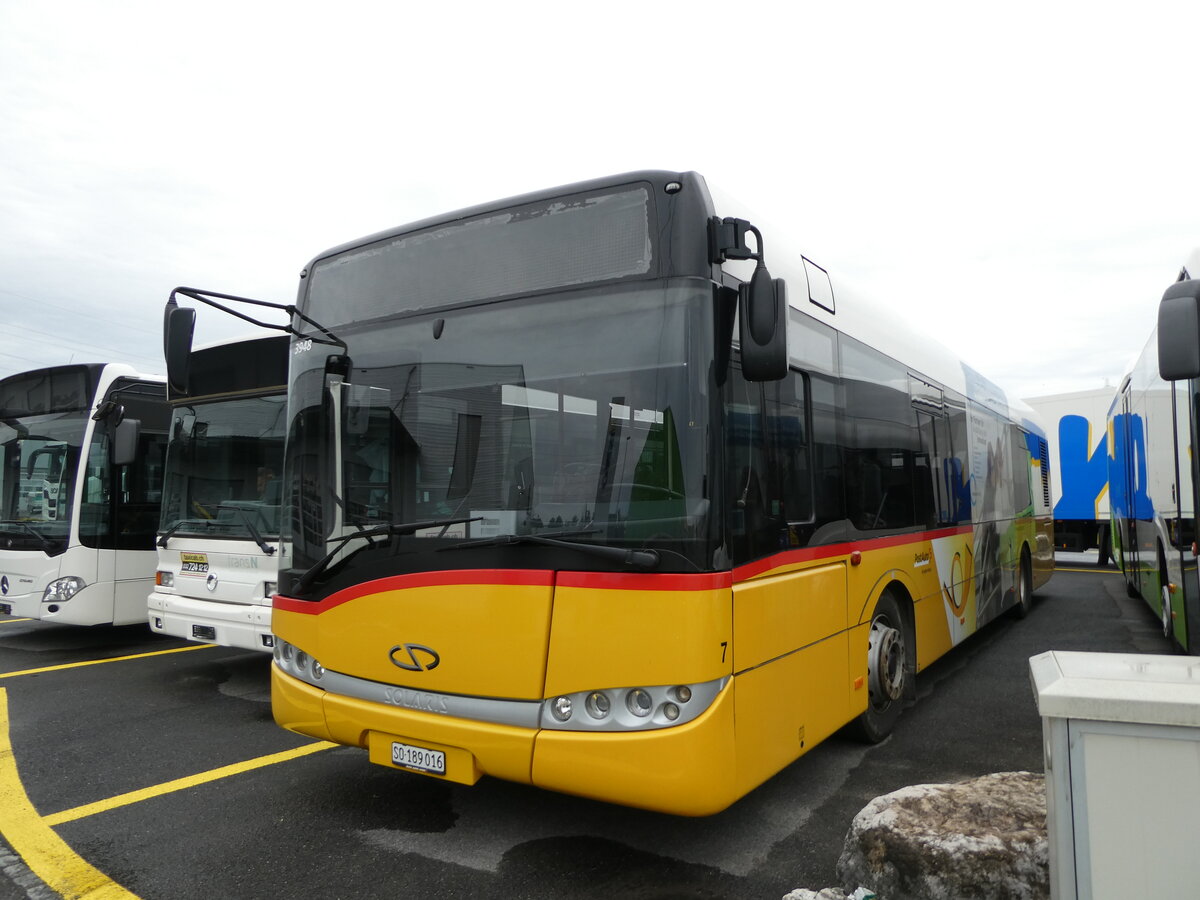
(786, 707)
(296, 706)
(778, 614)
(618, 633)
(490, 638)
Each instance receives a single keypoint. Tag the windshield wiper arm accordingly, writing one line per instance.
(638, 559)
(249, 520)
(166, 535)
(42, 539)
(391, 528)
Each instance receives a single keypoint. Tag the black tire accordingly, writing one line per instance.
(1024, 586)
(1164, 595)
(1105, 554)
(1165, 612)
(887, 671)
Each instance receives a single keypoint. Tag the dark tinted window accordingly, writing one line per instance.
(882, 444)
(559, 243)
(769, 470)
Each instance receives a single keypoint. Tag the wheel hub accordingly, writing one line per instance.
(885, 662)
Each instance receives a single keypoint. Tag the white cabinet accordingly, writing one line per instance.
(1121, 738)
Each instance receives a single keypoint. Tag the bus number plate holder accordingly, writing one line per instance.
(419, 759)
(204, 632)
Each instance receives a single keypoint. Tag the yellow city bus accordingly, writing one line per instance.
(578, 495)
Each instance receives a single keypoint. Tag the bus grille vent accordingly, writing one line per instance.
(1045, 455)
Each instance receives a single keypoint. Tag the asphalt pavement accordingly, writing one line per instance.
(156, 771)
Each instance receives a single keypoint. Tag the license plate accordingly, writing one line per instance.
(204, 632)
(6, 609)
(419, 758)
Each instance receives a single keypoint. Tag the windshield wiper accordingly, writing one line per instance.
(249, 520)
(166, 535)
(392, 528)
(42, 539)
(638, 559)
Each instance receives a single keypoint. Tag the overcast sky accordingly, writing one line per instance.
(1019, 180)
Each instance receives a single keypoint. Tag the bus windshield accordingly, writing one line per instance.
(223, 466)
(36, 483)
(581, 416)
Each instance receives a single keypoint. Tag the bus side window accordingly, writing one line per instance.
(770, 477)
(141, 492)
(882, 442)
(95, 510)
(788, 443)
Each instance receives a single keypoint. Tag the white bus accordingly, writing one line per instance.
(80, 488)
(219, 531)
(1152, 465)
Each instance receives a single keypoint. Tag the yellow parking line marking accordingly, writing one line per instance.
(10, 621)
(96, 662)
(179, 784)
(47, 855)
(1093, 571)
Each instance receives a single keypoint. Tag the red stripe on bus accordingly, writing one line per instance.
(532, 577)
(646, 581)
(832, 551)
(617, 581)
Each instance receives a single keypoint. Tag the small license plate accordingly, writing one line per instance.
(6, 609)
(419, 758)
(204, 632)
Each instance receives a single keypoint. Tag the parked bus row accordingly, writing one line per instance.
(116, 488)
(573, 492)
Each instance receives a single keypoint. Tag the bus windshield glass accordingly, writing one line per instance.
(579, 416)
(36, 481)
(223, 467)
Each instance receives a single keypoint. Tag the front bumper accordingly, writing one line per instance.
(684, 770)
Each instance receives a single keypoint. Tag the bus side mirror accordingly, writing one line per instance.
(762, 323)
(1179, 332)
(178, 324)
(125, 442)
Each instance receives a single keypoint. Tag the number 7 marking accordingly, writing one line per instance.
(724, 647)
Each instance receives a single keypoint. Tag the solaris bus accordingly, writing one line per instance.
(578, 495)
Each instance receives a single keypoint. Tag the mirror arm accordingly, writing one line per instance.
(205, 297)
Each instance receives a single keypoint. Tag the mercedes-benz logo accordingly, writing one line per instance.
(415, 657)
(3, 584)
(211, 581)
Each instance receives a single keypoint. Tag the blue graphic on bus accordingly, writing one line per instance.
(1129, 436)
(1082, 470)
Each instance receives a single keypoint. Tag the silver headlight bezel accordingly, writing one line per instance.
(626, 709)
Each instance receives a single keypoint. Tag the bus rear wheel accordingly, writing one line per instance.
(1024, 586)
(887, 671)
(1166, 612)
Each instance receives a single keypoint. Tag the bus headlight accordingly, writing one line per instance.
(639, 702)
(597, 704)
(631, 709)
(63, 589)
(296, 662)
(560, 708)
